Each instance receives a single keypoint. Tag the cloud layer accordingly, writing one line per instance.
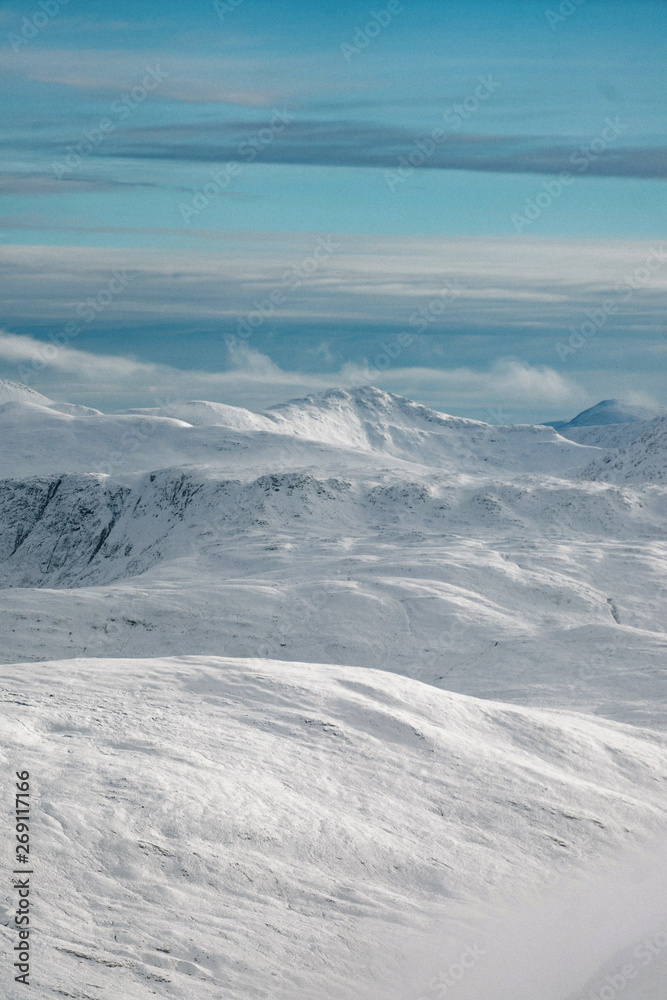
(364, 144)
(422, 284)
(255, 381)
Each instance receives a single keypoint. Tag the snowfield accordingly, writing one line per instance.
(317, 701)
(277, 829)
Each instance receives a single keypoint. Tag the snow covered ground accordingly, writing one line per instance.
(387, 689)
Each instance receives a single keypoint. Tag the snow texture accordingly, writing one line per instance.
(320, 701)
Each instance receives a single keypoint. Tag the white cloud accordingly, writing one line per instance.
(508, 383)
(189, 78)
(256, 381)
(513, 283)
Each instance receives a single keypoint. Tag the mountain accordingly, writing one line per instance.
(15, 396)
(15, 392)
(361, 426)
(457, 549)
(318, 699)
(254, 828)
(608, 411)
(636, 455)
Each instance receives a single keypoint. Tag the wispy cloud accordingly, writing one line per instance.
(365, 144)
(39, 183)
(523, 282)
(256, 381)
(192, 79)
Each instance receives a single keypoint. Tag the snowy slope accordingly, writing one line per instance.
(225, 809)
(15, 392)
(17, 397)
(639, 455)
(215, 827)
(609, 411)
(459, 583)
(343, 424)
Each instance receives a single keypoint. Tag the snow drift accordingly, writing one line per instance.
(387, 692)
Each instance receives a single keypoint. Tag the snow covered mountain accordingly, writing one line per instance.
(14, 395)
(609, 411)
(638, 455)
(259, 828)
(319, 698)
(363, 425)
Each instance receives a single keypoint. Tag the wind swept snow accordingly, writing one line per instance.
(385, 686)
(249, 828)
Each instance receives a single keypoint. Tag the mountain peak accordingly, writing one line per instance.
(609, 411)
(16, 392)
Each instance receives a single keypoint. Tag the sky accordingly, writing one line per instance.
(248, 201)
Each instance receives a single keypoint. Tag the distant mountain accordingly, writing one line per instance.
(15, 393)
(608, 411)
(409, 663)
(329, 430)
(637, 455)
(38, 436)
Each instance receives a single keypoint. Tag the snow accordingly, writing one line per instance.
(637, 457)
(210, 826)
(385, 683)
(609, 411)
(343, 424)
(13, 393)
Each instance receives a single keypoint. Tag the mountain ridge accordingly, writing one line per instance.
(609, 411)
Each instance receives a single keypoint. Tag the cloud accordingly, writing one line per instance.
(322, 84)
(365, 144)
(521, 283)
(190, 79)
(36, 355)
(12, 183)
(507, 383)
(255, 381)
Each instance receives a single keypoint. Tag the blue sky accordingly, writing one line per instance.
(249, 200)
